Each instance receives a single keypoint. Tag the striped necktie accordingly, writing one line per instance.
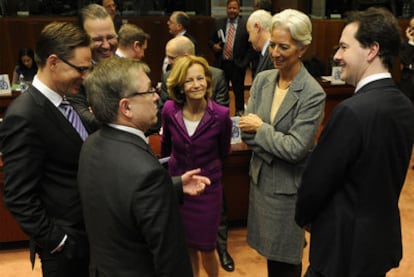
(72, 116)
(229, 42)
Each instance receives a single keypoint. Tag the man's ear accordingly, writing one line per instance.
(136, 45)
(52, 61)
(373, 51)
(124, 108)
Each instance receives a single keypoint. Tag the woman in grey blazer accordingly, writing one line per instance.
(282, 118)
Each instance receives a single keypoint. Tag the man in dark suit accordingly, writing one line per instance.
(98, 24)
(349, 193)
(232, 50)
(135, 205)
(40, 150)
(133, 42)
(258, 27)
(178, 24)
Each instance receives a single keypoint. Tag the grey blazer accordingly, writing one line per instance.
(280, 149)
(279, 154)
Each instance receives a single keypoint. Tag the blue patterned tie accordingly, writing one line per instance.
(73, 118)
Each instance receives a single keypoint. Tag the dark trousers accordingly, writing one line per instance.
(59, 265)
(235, 75)
(312, 273)
(279, 269)
(223, 228)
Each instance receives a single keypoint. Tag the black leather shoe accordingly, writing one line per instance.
(226, 260)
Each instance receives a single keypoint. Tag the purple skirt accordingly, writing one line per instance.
(201, 217)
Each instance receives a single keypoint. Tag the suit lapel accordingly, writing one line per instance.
(179, 120)
(290, 100)
(205, 121)
(55, 116)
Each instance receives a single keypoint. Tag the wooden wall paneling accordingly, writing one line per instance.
(325, 36)
(22, 32)
(3, 53)
(201, 28)
(302, 5)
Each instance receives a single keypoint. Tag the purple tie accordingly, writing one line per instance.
(73, 118)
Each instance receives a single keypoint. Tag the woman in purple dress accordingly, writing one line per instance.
(196, 134)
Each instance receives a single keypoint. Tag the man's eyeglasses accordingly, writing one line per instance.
(151, 91)
(80, 69)
(101, 40)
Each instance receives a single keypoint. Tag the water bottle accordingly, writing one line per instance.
(22, 83)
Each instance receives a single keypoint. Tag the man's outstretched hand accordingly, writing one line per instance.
(194, 184)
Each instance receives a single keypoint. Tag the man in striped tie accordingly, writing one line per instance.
(232, 50)
(40, 141)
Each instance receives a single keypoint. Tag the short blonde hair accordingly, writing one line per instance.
(176, 80)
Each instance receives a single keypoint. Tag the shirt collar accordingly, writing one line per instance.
(130, 130)
(265, 48)
(181, 34)
(50, 94)
(371, 78)
(234, 21)
(119, 53)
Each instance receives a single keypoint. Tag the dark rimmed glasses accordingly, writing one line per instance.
(80, 69)
(151, 91)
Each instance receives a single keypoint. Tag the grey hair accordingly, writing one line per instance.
(261, 16)
(110, 81)
(296, 22)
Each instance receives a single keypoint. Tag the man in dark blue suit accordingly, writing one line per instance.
(41, 150)
(232, 50)
(349, 193)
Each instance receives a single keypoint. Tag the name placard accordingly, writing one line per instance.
(5, 88)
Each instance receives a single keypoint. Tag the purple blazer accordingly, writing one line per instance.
(206, 149)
